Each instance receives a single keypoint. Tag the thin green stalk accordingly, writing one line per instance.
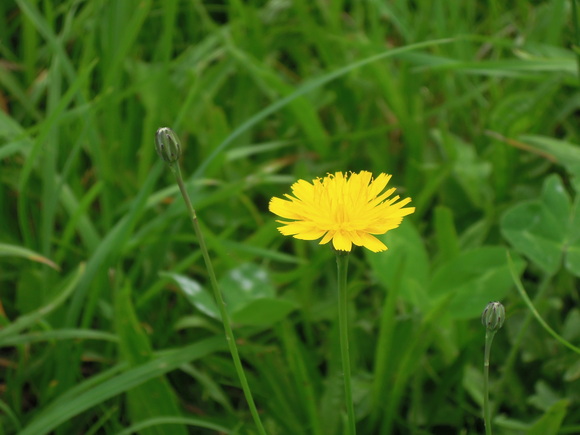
(221, 304)
(534, 311)
(342, 266)
(486, 410)
(493, 318)
(169, 149)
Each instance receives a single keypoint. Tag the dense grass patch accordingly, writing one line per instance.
(107, 323)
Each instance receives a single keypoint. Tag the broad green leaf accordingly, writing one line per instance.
(245, 284)
(473, 279)
(546, 229)
(406, 248)
(196, 295)
(470, 171)
(572, 373)
(249, 295)
(263, 312)
(551, 421)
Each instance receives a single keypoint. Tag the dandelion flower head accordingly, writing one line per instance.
(345, 208)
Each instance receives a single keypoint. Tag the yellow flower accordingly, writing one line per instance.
(342, 208)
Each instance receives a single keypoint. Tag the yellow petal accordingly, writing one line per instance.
(293, 228)
(283, 208)
(372, 243)
(327, 237)
(341, 243)
(310, 235)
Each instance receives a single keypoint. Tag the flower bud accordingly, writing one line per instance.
(167, 145)
(493, 316)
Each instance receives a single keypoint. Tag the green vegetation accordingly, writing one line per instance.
(107, 317)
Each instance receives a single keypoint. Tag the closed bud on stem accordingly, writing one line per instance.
(167, 145)
(493, 316)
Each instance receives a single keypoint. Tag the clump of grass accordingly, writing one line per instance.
(472, 105)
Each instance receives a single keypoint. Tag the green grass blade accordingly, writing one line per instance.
(154, 398)
(19, 251)
(531, 307)
(172, 421)
(304, 89)
(58, 334)
(61, 411)
(110, 248)
(4, 408)
(27, 320)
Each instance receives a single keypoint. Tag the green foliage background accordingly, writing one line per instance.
(106, 324)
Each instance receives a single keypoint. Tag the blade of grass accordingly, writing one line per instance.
(181, 421)
(302, 109)
(84, 302)
(47, 140)
(382, 365)
(11, 415)
(58, 334)
(297, 361)
(108, 250)
(79, 220)
(61, 410)
(27, 320)
(154, 398)
(19, 251)
(409, 363)
(305, 88)
(533, 310)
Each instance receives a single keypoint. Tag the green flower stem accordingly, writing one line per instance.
(342, 266)
(220, 302)
(486, 410)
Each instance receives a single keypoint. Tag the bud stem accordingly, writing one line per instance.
(230, 338)
(489, 334)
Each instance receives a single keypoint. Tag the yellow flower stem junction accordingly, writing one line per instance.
(166, 142)
(342, 267)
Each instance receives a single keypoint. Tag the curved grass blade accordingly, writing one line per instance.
(18, 251)
(183, 421)
(29, 319)
(531, 307)
(59, 334)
